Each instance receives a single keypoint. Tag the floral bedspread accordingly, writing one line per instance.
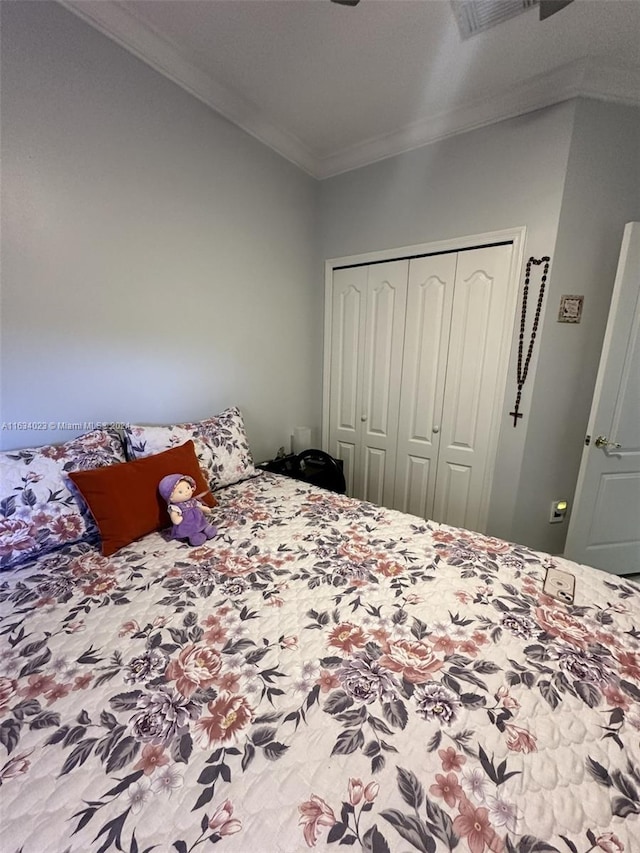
(324, 673)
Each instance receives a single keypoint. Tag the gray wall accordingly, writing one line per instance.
(568, 173)
(601, 194)
(157, 262)
(506, 175)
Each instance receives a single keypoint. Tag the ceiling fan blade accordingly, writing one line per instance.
(550, 7)
(346, 2)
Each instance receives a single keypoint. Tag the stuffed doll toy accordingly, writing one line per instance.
(186, 512)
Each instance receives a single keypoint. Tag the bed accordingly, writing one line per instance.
(322, 673)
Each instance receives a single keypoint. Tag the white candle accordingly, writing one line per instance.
(301, 439)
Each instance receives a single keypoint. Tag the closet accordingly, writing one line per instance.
(416, 357)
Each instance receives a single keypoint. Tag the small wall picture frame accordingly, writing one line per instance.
(570, 309)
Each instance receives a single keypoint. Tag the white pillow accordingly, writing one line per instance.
(38, 508)
(220, 442)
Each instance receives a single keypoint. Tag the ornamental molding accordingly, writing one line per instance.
(578, 79)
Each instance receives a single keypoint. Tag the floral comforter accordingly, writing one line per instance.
(324, 673)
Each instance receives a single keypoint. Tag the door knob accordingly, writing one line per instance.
(363, 418)
(603, 442)
(435, 429)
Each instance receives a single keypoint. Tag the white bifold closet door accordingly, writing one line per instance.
(456, 315)
(415, 352)
(428, 325)
(366, 364)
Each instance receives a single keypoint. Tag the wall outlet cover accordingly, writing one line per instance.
(558, 511)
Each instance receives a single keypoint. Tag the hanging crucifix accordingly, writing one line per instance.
(523, 368)
(515, 414)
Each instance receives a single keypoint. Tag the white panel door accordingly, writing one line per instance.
(349, 297)
(604, 530)
(429, 304)
(382, 368)
(472, 392)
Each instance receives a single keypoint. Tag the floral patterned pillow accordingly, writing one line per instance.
(221, 445)
(39, 510)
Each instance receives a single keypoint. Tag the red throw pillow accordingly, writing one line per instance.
(124, 498)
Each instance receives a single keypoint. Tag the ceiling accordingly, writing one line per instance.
(332, 87)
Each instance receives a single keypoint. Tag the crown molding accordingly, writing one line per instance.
(577, 79)
(574, 80)
(116, 22)
(608, 83)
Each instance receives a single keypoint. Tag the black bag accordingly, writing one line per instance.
(311, 466)
(317, 467)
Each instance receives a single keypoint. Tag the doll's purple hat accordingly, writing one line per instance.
(168, 484)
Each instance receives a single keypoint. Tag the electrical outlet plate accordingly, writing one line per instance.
(558, 512)
(560, 585)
